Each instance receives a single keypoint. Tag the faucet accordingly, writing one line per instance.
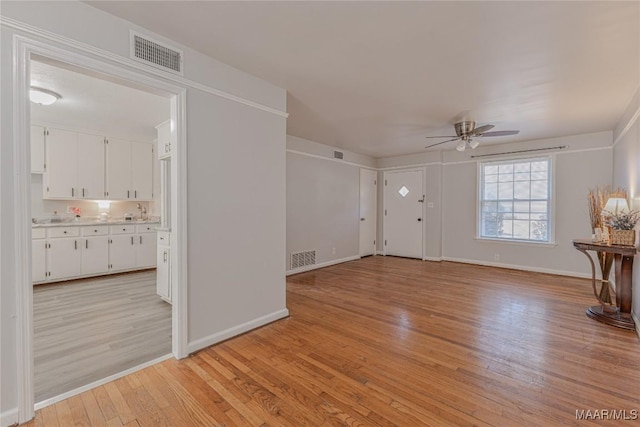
(143, 210)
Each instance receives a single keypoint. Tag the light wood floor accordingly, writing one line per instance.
(390, 341)
(86, 330)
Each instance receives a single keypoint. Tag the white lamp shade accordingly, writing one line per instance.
(43, 96)
(462, 145)
(473, 144)
(616, 205)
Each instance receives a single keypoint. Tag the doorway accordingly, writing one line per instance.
(95, 206)
(368, 207)
(25, 51)
(403, 213)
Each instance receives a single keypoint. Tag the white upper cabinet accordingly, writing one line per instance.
(37, 149)
(90, 166)
(165, 139)
(142, 170)
(129, 170)
(61, 176)
(75, 165)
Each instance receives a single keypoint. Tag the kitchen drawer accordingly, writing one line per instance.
(146, 228)
(164, 238)
(98, 230)
(123, 229)
(38, 233)
(64, 232)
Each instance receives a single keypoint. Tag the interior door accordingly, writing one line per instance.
(368, 206)
(404, 200)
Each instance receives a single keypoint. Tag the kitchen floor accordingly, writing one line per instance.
(86, 330)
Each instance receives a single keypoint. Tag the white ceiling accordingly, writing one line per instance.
(376, 77)
(92, 104)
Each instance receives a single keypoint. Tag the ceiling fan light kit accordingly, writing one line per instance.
(467, 130)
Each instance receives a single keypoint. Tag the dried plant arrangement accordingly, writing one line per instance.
(597, 200)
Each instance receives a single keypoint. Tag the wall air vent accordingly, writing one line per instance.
(158, 55)
(302, 259)
(338, 155)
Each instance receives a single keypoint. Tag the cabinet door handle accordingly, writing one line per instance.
(86, 244)
(135, 194)
(132, 240)
(72, 192)
(165, 256)
(83, 192)
(127, 194)
(140, 239)
(75, 244)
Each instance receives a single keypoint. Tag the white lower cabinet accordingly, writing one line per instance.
(163, 279)
(60, 253)
(64, 258)
(39, 257)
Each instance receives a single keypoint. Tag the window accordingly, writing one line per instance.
(515, 200)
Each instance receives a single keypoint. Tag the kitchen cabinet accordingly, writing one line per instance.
(68, 252)
(165, 140)
(75, 165)
(129, 170)
(37, 148)
(64, 258)
(163, 266)
(132, 247)
(38, 256)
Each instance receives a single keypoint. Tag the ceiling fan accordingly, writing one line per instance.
(467, 130)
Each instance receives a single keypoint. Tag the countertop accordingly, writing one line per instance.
(87, 222)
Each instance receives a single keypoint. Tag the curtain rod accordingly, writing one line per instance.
(559, 147)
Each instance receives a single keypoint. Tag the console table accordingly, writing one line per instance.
(620, 314)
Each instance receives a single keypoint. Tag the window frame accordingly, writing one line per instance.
(551, 217)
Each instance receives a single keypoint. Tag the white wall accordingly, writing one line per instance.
(626, 173)
(576, 170)
(323, 205)
(235, 180)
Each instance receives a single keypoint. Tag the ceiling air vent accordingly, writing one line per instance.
(156, 54)
(338, 155)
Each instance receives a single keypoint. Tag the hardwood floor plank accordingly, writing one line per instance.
(377, 342)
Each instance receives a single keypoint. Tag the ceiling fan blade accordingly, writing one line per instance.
(439, 143)
(446, 136)
(500, 133)
(482, 129)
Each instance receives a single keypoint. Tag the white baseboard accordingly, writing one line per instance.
(236, 330)
(9, 418)
(519, 267)
(432, 258)
(379, 253)
(321, 265)
(95, 384)
(637, 322)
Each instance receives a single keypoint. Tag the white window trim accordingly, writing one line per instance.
(552, 203)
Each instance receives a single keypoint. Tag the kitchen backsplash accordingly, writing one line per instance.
(42, 209)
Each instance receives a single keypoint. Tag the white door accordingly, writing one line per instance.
(141, 171)
(90, 166)
(64, 258)
(95, 255)
(404, 200)
(368, 206)
(62, 165)
(122, 253)
(146, 250)
(118, 169)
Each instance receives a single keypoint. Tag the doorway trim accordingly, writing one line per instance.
(384, 206)
(101, 63)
